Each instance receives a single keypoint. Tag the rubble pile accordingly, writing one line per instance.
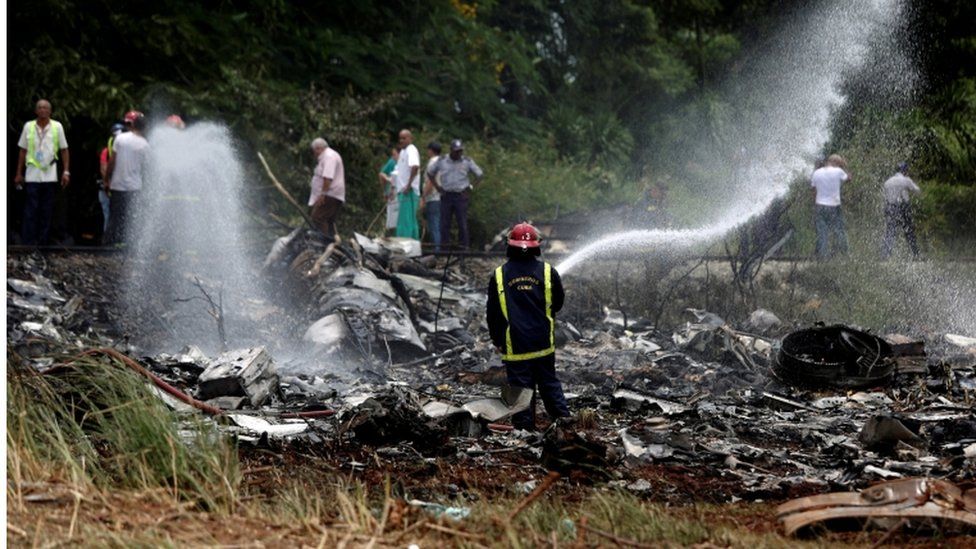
(395, 356)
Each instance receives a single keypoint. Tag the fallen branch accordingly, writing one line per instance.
(284, 192)
(375, 219)
(542, 487)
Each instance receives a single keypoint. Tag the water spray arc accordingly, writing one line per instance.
(783, 105)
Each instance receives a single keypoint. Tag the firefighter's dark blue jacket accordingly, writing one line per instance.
(526, 331)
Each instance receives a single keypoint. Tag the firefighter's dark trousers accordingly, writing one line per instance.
(538, 374)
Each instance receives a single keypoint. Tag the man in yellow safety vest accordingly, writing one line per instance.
(524, 296)
(41, 143)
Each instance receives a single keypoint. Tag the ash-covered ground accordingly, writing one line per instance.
(380, 364)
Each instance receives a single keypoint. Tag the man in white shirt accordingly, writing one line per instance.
(41, 143)
(127, 170)
(408, 186)
(328, 187)
(898, 210)
(826, 182)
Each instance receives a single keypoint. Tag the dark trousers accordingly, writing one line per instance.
(899, 216)
(538, 374)
(324, 215)
(456, 205)
(121, 207)
(38, 209)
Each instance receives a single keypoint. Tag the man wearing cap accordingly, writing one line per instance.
(127, 168)
(451, 176)
(524, 296)
(898, 190)
(41, 142)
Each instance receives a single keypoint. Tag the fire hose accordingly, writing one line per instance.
(176, 393)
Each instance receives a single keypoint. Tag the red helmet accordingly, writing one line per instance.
(524, 236)
(131, 116)
(175, 121)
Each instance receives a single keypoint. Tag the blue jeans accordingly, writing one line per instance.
(830, 221)
(432, 211)
(38, 209)
(537, 373)
(103, 200)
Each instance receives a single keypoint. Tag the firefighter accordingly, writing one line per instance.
(524, 295)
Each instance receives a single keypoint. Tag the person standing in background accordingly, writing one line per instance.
(328, 187)
(127, 170)
(430, 202)
(387, 177)
(829, 220)
(452, 177)
(41, 143)
(898, 190)
(103, 158)
(408, 187)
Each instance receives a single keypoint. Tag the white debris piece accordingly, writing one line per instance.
(244, 372)
(960, 340)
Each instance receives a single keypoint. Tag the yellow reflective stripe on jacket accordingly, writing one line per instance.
(552, 322)
(32, 144)
(509, 353)
(500, 284)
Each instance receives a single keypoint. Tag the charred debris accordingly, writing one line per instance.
(395, 357)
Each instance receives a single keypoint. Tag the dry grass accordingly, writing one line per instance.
(351, 515)
(94, 459)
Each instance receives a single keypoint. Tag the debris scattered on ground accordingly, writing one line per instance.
(907, 500)
(395, 359)
(835, 356)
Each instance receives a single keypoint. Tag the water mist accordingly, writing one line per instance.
(783, 104)
(187, 235)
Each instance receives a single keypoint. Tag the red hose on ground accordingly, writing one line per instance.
(213, 410)
(176, 393)
(180, 395)
(308, 415)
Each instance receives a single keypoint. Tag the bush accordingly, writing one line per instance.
(530, 182)
(947, 217)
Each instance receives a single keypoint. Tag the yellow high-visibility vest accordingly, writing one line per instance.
(32, 144)
(509, 353)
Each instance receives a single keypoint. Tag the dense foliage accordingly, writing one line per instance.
(573, 104)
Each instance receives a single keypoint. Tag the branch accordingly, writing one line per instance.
(215, 310)
(284, 192)
(539, 490)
